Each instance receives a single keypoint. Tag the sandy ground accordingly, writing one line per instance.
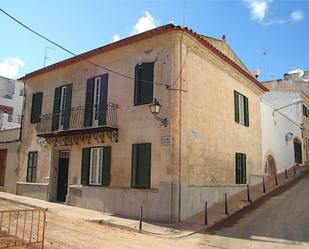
(280, 220)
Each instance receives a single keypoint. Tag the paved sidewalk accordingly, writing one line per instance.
(216, 213)
(175, 230)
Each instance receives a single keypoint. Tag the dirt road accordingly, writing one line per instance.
(278, 221)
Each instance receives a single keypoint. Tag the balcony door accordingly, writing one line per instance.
(96, 101)
(63, 107)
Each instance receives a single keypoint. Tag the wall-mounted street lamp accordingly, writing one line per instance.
(288, 136)
(295, 102)
(155, 108)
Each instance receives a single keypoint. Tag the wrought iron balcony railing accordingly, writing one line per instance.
(74, 120)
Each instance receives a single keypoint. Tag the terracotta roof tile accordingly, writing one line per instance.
(140, 37)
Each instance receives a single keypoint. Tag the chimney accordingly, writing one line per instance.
(256, 73)
(223, 38)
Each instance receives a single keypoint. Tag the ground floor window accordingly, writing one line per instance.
(298, 151)
(241, 168)
(32, 166)
(96, 164)
(141, 165)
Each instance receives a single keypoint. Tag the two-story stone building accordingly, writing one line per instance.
(90, 140)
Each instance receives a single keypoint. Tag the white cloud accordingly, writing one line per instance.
(116, 38)
(258, 8)
(10, 67)
(272, 22)
(146, 22)
(297, 15)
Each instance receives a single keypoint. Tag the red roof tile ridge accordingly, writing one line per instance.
(142, 36)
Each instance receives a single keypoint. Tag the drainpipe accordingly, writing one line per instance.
(23, 112)
(180, 114)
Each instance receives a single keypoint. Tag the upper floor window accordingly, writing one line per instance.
(36, 107)
(96, 101)
(62, 107)
(21, 91)
(143, 87)
(32, 165)
(305, 111)
(241, 109)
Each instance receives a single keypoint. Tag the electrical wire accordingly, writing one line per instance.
(70, 52)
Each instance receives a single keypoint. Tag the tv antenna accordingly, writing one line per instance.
(45, 54)
(264, 54)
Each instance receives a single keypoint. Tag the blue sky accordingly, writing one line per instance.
(278, 27)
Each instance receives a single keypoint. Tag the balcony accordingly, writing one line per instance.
(72, 122)
(9, 121)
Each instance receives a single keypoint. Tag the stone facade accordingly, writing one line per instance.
(199, 106)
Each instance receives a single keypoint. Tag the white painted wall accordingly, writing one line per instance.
(274, 129)
(278, 99)
(10, 94)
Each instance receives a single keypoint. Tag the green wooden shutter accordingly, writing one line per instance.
(141, 165)
(32, 166)
(103, 100)
(238, 168)
(56, 108)
(67, 111)
(243, 169)
(143, 89)
(85, 167)
(29, 166)
(134, 164)
(147, 88)
(36, 107)
(89, 103)
(137, 86)
(246, 111)
(106, 165)
(236, 106)
(144, 165)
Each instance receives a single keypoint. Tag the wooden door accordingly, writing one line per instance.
(63, 176)
(3, 154)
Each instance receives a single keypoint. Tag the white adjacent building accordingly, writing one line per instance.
(11, 103)
(283, 127)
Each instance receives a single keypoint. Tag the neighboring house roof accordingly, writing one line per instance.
(5, 78)
(145, 35)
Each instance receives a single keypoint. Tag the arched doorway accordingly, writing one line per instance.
(298, 151)
(270, 165)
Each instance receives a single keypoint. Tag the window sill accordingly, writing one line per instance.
(32, 183)
(242, 124)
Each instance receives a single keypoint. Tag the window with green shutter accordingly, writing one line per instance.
(96, 163)
(241, 107)
(36, 107)
(241, 174)
(96, 101)
(62, 108)
(32, 166)
(143, 86)
(141, 165)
